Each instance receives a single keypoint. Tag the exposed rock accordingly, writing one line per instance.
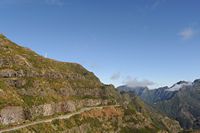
(87, 92)
(172, 126)
(8, 73)
(68, 106)
(53, 108)
(18, 114)
(16, 82)
(10, 115)
(20, 60)
(92, 102)
(66, 91)
(47, 110)
(2, 62)
(13, 114)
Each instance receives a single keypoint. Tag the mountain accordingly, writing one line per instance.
(137, 90)
(180, 101)
(149, 96)
(43, 95)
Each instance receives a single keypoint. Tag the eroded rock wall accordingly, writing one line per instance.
(17, 114)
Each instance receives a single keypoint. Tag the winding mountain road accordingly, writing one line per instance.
(67, 116)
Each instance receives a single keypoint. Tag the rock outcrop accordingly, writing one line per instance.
(11, 114)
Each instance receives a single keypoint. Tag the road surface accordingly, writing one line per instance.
(67, 116)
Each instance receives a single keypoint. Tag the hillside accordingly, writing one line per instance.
(181, 102)
(34, 88)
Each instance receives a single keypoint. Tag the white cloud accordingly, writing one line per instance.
(187, 33)
(115, 76)
(134, 82)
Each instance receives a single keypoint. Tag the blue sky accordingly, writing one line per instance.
(136, 42)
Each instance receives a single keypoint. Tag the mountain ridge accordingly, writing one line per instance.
(181, 103)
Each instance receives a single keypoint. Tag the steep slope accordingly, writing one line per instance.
(34, 88)
(130, 117)
(28, 80)
(184, 106)
(181, 102)
(137, 90)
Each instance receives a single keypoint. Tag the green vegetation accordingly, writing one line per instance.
(29, 80)
(143, 130)
(2, 85)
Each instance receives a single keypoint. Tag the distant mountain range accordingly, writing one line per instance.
(180, 101)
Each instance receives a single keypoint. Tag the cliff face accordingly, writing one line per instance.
(33, 87)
